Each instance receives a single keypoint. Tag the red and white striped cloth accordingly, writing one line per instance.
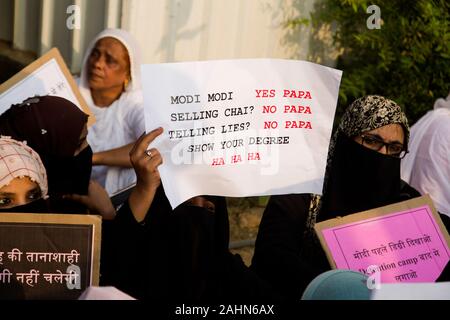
(17, 160)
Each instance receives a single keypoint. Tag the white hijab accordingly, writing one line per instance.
(119, 123)
(427, 165)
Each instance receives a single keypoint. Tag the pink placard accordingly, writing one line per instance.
(405, 246)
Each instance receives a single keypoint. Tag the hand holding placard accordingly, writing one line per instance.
(405, 242)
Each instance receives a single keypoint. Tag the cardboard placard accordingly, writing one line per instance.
(402, 242)
(48, 256)
(48, 75)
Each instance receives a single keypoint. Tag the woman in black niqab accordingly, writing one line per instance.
(358, 178)
(53, 127)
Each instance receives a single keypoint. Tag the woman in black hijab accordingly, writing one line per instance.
(363, 172)
(56, 129)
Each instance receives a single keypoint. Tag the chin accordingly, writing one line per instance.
(94, 84)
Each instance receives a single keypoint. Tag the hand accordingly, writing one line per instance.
(145, 164)
(97, 201)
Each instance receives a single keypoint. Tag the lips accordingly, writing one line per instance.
(94, 76)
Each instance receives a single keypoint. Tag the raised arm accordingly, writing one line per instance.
(118, 157)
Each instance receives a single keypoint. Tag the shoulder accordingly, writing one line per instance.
(292, 207)
(440, 124)
(408, 192)
(291, 201)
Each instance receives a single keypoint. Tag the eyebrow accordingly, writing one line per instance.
(36, 189)
(10, 194)
(105, 51)
(109, 55)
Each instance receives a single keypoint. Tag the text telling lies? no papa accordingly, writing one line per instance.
(232, 134)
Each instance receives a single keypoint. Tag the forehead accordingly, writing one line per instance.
(111, 46)
(390, 132)
(19, 185)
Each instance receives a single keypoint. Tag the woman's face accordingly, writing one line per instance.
(387, 140)
(19, 192)
(108, 65)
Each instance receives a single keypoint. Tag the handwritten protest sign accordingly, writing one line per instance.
(47, 75)
(241, 127)
(48, 256)
(403, 242)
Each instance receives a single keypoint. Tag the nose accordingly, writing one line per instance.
(383, 150)
(97, 62)
(22, 200)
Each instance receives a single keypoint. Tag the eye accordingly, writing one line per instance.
(396, 148)
(371, 140)
(35, 194)
(110, 60)
(4, 202)
(95, 53)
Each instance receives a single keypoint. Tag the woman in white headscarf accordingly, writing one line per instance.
(111, 85)
(427, 166)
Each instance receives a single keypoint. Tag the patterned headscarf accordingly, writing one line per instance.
(369, 113)
(364, 114)
(17, 160)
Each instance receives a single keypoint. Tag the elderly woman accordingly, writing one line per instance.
(363, 172)
(23, 179)
(110, 83)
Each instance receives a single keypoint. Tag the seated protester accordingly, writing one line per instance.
(110, 82)
(363, 172)
(427, 165)
(175, 255)
(56, 129)
(23, 180)
(155, 245)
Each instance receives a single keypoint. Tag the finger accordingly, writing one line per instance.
(136, 143)
(155, 162)
(151, 153)
(74, 197)
(142, 144)
(149, 164)
(93, 184)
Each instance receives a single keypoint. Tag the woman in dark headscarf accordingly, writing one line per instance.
(56, 129)
(53, 127)
(363, 172)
